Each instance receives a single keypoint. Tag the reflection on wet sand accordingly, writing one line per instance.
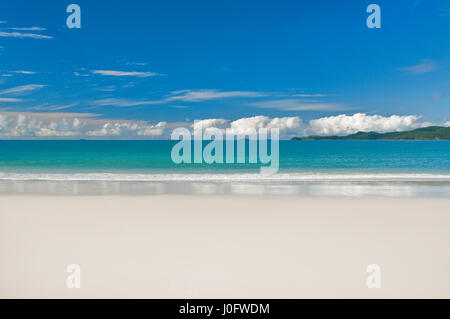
(346, 189)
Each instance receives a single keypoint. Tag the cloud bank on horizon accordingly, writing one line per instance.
(76, 125)
(73, 126)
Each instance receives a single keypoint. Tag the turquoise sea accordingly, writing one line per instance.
(154, 157)
(303, 164)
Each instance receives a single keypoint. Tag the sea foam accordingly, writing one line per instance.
(247, 177)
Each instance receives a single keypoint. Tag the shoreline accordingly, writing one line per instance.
(285, 176)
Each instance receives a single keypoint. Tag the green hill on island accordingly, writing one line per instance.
(425, 133)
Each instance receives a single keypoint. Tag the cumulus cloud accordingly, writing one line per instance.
(288, 126)
(81, 125)
(68, 125)
(349, 124)
(211, 123)
(128, 129)
(19, 125)
(332, 125)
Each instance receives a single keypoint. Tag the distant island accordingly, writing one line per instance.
(425, 133)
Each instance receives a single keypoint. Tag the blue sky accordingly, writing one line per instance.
(177, 61)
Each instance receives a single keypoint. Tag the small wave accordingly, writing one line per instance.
(281, 177)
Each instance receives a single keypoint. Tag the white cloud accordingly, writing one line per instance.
(17, 125)
(73, 125)
(29, 29)
(80, 74)
(288, 126)
(349, 124)
(22, 89)
(22, 72)
(8, 99)
(298, 105)
(184, 95)
(333, 125)
(85, 125)
(136, 63)
(21, 35)
(50, 107)
(447, 124)
(310, 95)
(122, 102)
(108, 88)
(124, 73)
(204, 95)
(128, 129)
(209, 124)
(425, 67)
(64, 125)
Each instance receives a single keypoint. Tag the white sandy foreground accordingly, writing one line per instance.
(223, 247)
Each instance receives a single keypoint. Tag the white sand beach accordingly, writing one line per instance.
(193, 246)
